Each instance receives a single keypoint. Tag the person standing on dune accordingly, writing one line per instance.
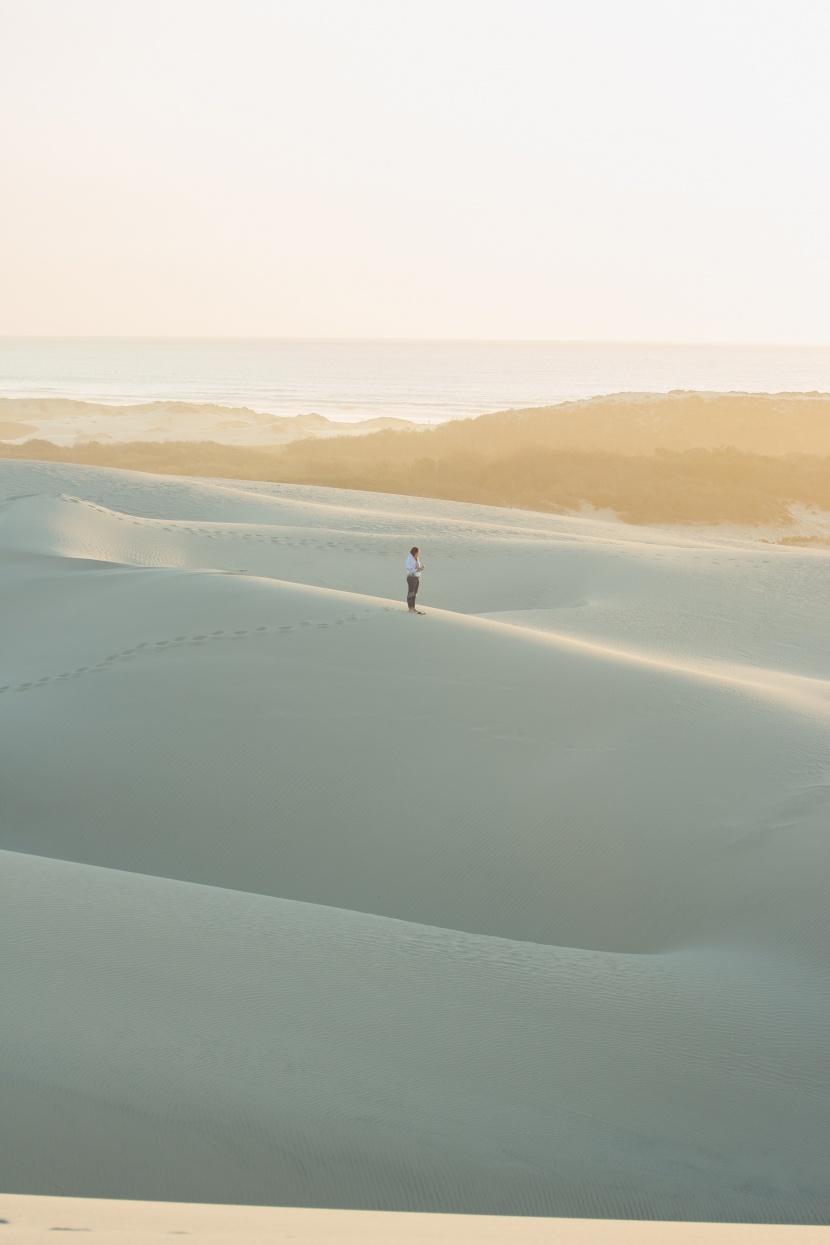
(414, 566)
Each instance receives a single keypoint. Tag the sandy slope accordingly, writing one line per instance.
(516, 908)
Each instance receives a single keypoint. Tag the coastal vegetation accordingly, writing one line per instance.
(685, 458)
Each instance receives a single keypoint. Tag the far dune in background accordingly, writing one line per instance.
(67, 421)
(648, 458)
(631, 423)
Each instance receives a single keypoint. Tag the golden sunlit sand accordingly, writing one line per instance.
(518, 908)
(32, 1220)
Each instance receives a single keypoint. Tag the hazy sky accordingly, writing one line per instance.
(562, 169)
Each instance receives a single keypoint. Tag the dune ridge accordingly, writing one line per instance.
(518, 908)
(70, 421)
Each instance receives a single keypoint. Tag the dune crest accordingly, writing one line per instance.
(69, 421)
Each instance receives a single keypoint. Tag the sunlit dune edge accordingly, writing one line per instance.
(33, 1219)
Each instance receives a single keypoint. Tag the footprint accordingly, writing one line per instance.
(217, 633)
(177, 639)
(285, 628)
(262, 628)
(21, 687)
(240, 632)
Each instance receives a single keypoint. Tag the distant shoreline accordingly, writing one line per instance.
(426, 382)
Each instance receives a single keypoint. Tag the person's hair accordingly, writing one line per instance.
(415, 549)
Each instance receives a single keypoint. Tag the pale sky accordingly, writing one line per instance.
(631, 170)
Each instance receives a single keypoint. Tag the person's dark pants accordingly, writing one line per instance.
(412, 583)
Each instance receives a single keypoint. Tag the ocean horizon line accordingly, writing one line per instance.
(634, 343)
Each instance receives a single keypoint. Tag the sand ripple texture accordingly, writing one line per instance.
(518, 908)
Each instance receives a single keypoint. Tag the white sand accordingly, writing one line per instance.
(67, 421)
(517, 908)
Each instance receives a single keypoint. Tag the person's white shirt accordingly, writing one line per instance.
(414, 566)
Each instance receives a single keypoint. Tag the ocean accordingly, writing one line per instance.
(428, 382)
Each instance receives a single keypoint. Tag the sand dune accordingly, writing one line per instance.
(68, 421)
(624, 423)
(638, 423)
(517, 908)
(759, 460)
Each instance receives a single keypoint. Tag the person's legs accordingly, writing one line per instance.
(412, 582)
